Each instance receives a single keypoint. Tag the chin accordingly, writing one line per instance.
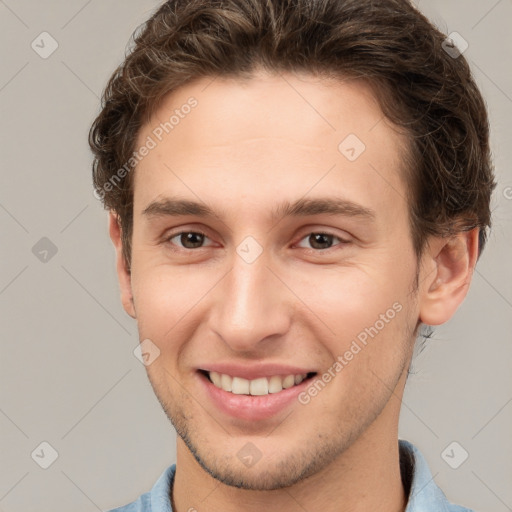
(277, 468)
(263, 476)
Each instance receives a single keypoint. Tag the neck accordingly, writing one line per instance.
(365, 477)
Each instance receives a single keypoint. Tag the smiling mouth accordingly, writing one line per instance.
(255, 387)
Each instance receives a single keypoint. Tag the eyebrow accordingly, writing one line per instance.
(175, 207)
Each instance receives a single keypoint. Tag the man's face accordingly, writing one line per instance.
(264, 290)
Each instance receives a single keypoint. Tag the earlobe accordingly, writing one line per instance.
(123, 273)
(447, 275)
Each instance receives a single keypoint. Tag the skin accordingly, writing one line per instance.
(245, 148)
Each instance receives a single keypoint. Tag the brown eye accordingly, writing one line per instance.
(320, 241)
(188, 239)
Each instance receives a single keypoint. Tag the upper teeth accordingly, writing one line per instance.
(261, 386)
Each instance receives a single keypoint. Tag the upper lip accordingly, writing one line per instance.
(255, 370)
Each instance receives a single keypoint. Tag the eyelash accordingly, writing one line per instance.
(308, 249)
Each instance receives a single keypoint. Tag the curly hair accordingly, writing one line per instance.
(427, 91)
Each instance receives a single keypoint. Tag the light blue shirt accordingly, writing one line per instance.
(424, 495)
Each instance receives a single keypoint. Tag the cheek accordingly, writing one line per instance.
(166, 297)
(351, 298)
(368, 314)
(366, 323)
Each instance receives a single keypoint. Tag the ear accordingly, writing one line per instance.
(448, 267)
(123, 273)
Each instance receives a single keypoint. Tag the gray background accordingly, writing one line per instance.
(68, 373)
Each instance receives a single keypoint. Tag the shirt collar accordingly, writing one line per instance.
(424, 493)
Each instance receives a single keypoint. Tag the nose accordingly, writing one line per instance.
(251, 306)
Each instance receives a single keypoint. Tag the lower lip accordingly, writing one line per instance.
(252, 408)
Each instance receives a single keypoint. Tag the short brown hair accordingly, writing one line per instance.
(418, 84)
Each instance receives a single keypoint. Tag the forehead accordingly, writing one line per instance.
(272, 135)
